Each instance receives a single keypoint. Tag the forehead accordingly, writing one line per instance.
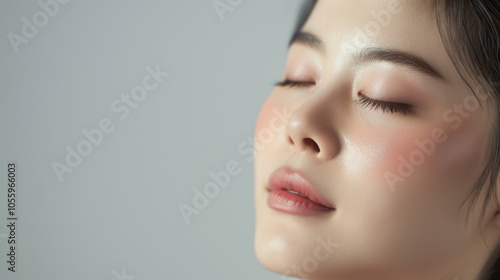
(407, 25)
(376, 18)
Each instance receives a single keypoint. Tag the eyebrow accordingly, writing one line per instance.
(373, 54)
(307, 39)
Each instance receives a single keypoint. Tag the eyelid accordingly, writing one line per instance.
(364, 101)
(385, 106)
(292, 83)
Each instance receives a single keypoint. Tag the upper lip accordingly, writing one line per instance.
(285, 178)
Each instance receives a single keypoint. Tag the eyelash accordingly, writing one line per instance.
(290, 83)
(385, 106)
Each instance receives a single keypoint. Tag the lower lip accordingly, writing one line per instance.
(291, 203)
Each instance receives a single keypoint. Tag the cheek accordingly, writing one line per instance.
(430, 176)
(381, 155)
(265, 114)
(422, 156)
(271, 123)
(269, 115)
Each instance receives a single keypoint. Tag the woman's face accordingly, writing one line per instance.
(389, 139)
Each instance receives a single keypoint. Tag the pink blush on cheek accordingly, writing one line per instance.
(264, 116)
(441, 157)
(272, 116)
(381, 154)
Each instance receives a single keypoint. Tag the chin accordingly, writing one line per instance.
(283, 245)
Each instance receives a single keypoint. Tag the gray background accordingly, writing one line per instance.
(118, 209)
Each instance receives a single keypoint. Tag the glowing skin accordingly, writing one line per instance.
(412, 230)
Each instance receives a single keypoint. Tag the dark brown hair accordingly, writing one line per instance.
(470, 32)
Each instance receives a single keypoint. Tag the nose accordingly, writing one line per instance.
(311, 128)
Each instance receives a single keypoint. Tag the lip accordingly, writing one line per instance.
(287, 190)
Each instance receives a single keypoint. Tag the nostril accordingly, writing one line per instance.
(290, 140)
(308, 142)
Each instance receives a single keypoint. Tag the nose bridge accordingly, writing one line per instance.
(312, 126)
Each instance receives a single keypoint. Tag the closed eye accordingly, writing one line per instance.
(291, 83)
(385, 106)
(364, 101)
